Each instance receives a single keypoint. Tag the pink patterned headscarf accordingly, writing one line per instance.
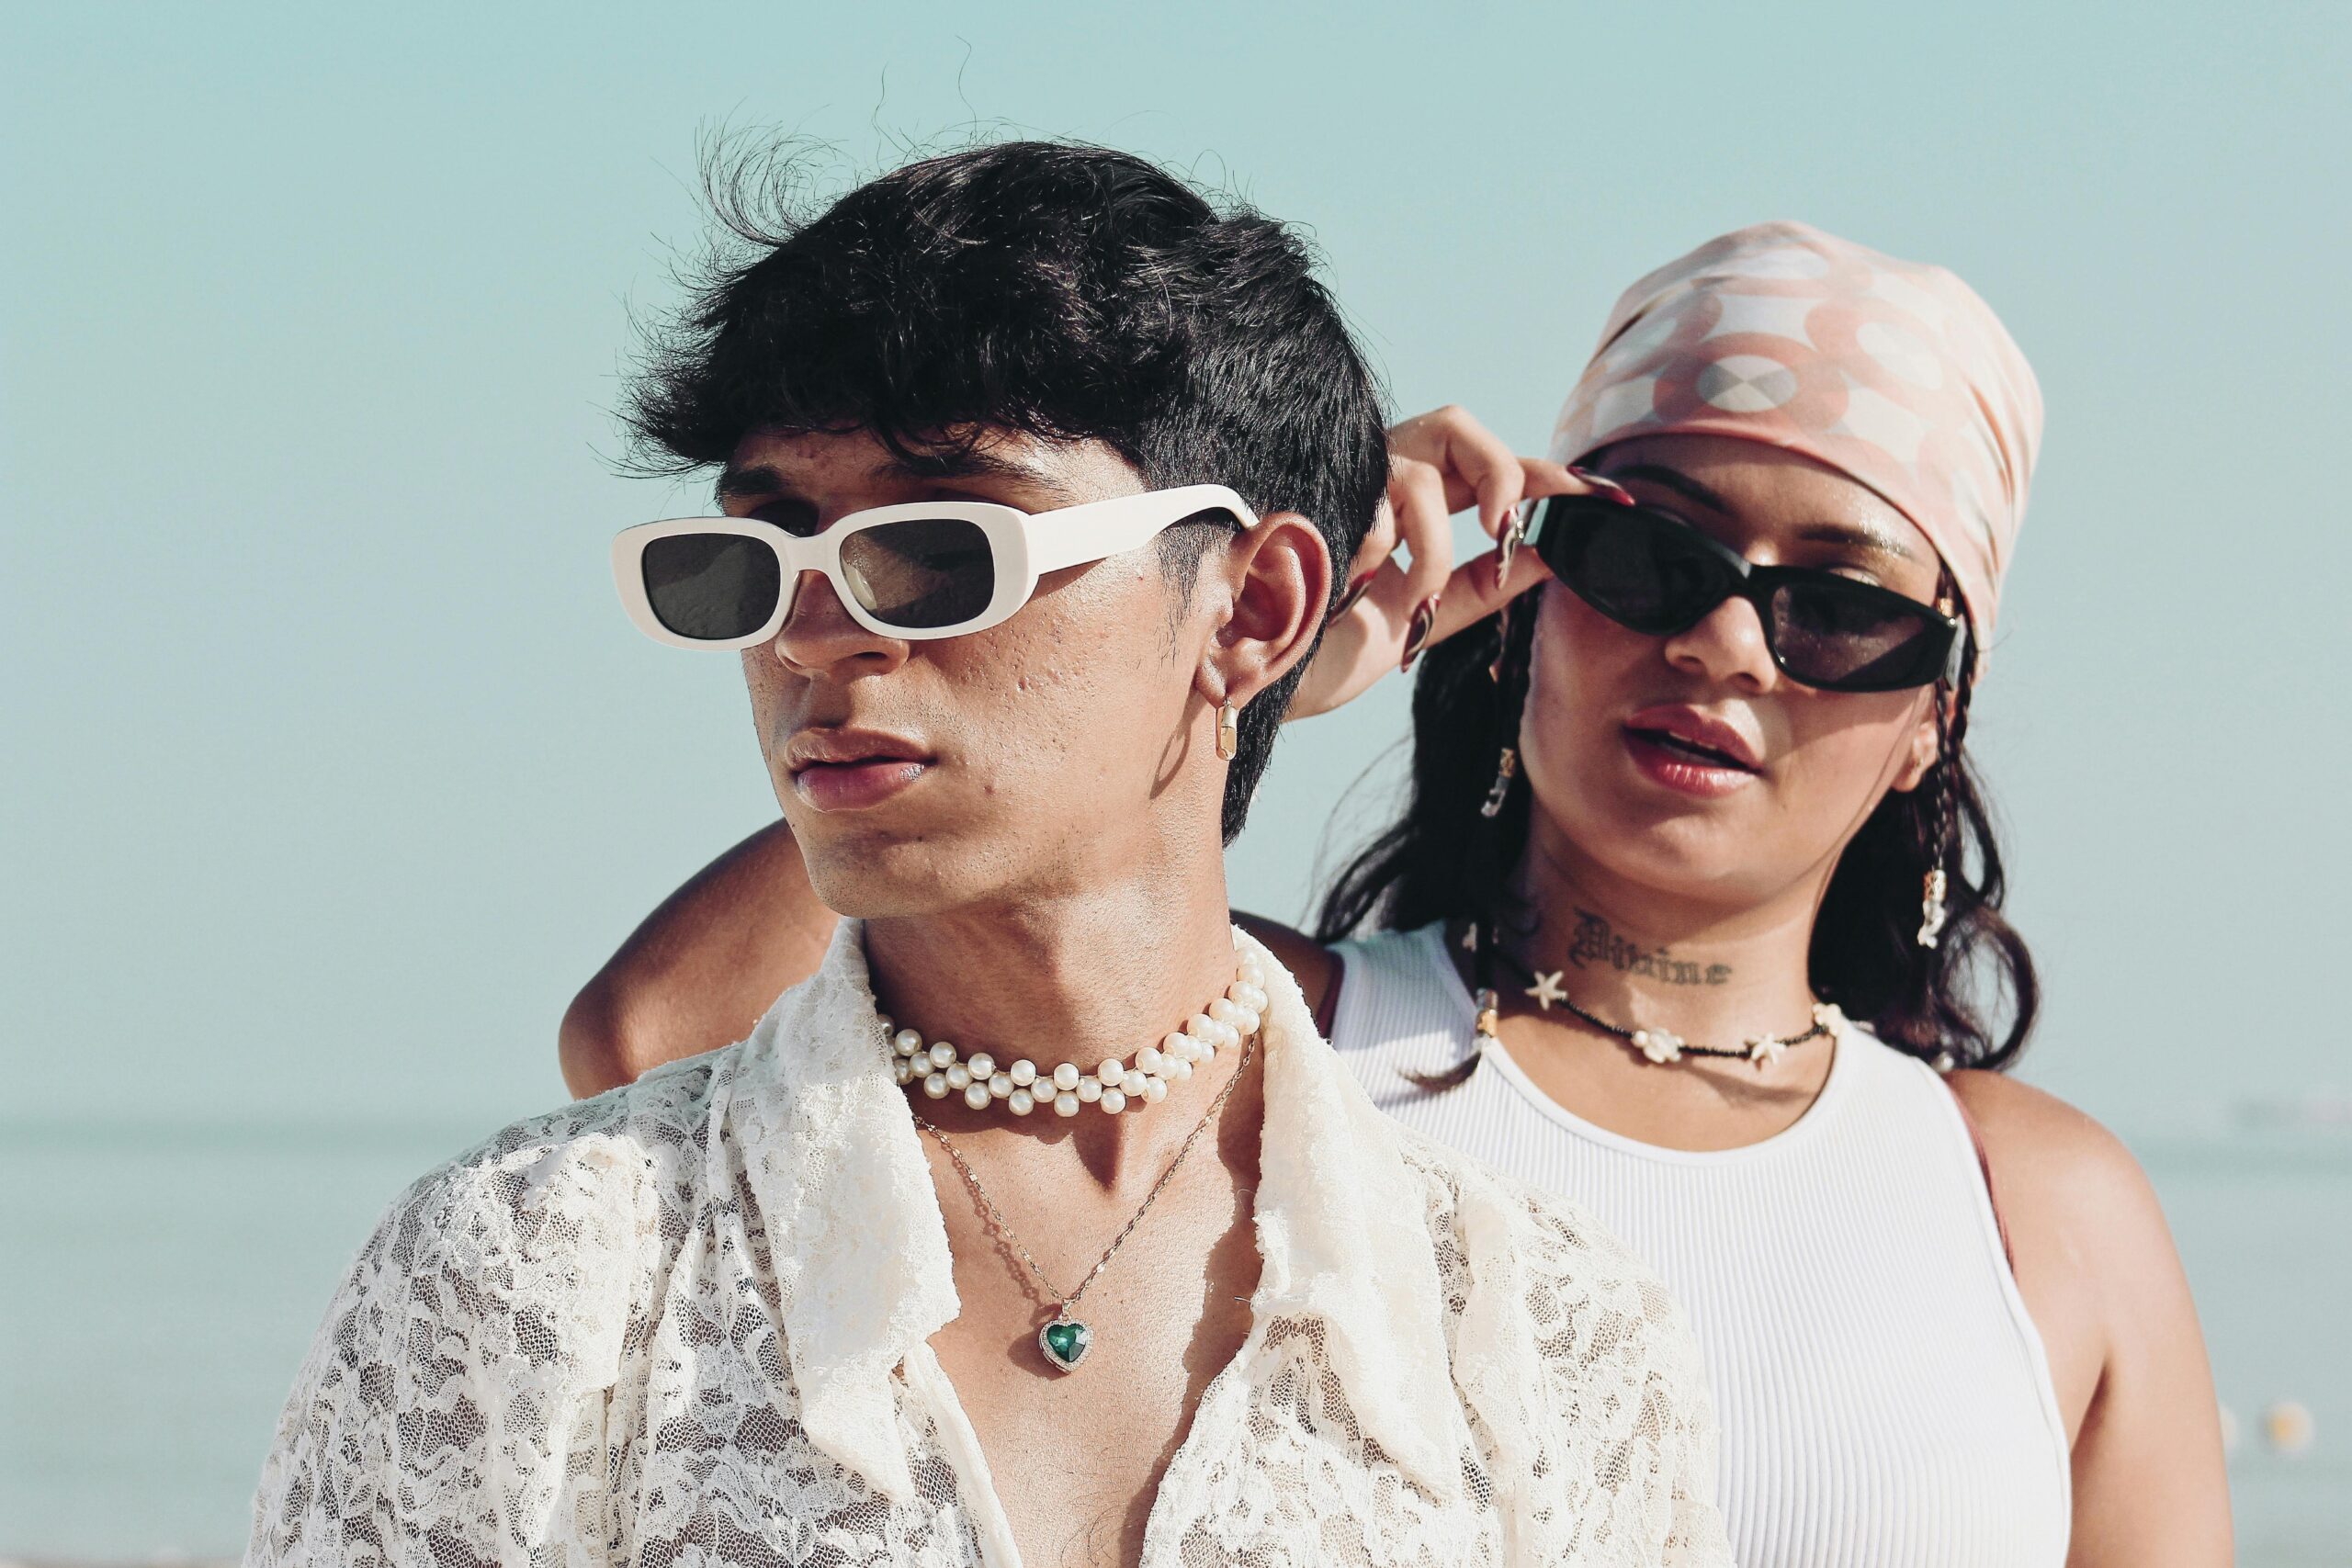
(1894, 373)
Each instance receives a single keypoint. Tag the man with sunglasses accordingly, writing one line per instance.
(1040, 1220)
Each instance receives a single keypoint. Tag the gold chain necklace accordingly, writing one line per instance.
(1066, 1340)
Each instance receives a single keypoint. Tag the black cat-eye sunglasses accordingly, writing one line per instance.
(1656, 574)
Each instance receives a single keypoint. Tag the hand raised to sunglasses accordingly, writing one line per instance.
(1439, 463)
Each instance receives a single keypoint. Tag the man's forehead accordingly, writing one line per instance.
(811, 462)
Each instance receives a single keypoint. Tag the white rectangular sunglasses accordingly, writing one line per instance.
(920, 571)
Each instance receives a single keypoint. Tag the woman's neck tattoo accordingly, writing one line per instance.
(1596, 941)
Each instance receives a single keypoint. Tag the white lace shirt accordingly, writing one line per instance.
(686, 1323)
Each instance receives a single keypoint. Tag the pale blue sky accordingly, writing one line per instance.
(333, 768)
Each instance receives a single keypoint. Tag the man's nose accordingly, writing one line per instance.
(819, 637)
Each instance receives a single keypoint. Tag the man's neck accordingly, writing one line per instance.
(1078, 978)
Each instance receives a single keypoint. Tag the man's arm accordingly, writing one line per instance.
(702, 968)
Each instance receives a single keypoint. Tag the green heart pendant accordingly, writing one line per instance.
(1065, 1342)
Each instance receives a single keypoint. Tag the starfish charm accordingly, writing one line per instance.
(1766, 1051)
(1546, 989)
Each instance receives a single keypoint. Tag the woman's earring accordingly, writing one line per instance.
(1932, 906)
(1936, 885)
(1500, 791)
(1228, 731)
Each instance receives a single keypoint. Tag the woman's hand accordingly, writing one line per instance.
(1439, 463)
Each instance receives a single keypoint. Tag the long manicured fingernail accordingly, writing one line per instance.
(1416, 634)
(1609, 488)
(1355, 592)
(1507, 542)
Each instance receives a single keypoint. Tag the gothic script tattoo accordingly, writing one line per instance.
(1595, 942)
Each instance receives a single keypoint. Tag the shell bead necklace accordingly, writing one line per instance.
(1114, 1084)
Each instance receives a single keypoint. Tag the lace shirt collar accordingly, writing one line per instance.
(861, 1251)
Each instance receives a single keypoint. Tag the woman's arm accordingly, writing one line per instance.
(2098, 1271)
(701, 969)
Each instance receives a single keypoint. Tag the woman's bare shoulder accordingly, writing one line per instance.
(1315, 966)
(2033, 1137)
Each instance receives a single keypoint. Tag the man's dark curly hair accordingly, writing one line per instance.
(1059, 291)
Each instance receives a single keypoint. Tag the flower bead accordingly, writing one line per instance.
(1658, 1044)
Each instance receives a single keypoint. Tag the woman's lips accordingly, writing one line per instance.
(854, 786)
(1683, 767)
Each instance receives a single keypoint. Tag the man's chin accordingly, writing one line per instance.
(891, 880)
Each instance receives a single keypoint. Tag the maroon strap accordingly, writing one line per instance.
(1985, 1165)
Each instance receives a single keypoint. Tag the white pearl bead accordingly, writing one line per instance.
(1112, 1070)
(942, 1055)
(905, 1043)
(1066, 1076)
(1113, 1102)
(1132, 1085)
(1089, 1091)
(1224, 1012)
(1154, 1091)
(977, 1096)
(1203, 1027)
(959, 1076)
(1176, 1044)
(1020, 1102)
(1246, 1019)
(1251, 997)
(1065, 1104)
(1000, 1085)
(1178, 1071)
(935, 1086)
(902, 1069)
(983, 1065)
(1148, 1060)
(1228, 1037)
(1022, 1072)
(1251, 973)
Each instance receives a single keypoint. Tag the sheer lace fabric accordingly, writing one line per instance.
(685, 1324)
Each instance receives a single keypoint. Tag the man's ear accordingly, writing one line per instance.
(1278, 577)
(1926, 744)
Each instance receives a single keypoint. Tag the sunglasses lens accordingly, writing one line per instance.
(1857, 639)
(713, 587)
(922, 574)
(1644, 571)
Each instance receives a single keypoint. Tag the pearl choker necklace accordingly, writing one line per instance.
(1115, 1085)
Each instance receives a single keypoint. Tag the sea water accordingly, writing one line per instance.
(159, 1285)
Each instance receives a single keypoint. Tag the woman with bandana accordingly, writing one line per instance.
(1693, 913)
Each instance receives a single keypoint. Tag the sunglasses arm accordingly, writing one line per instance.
(1097, 530)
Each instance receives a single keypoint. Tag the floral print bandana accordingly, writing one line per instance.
(1892, 373)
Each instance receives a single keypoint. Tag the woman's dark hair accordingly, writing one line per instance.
(1973, 995)
(1048, 289)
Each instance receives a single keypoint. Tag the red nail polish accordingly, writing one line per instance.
(1355, 592)
(1416, 634)
(1608, 489)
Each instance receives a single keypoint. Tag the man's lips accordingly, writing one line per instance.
(844, 770)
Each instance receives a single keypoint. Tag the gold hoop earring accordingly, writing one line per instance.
(1228, 731)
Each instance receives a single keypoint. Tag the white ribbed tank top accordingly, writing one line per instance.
(1884, 1399)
